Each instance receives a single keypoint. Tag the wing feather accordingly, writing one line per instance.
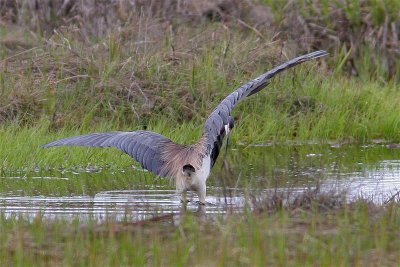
(130, 147)
(149, 159)
(144, 146)
(215, 132)
(145, 153)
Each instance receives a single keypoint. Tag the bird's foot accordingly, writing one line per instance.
(185, 201)
(200, 203)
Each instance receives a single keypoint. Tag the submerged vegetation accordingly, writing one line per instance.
(73, 67)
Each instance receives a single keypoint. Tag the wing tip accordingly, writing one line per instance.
(316, 54)
(298, 60)
(52, 144)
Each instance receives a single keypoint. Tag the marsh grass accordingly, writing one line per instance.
(290, 109)
(151, 72)
(354, 234)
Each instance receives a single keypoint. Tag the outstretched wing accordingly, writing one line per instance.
(214, 126)
(144, 146)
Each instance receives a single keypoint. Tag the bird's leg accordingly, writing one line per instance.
(201, 192)
(184, 197)
(184, 200)
(201, 212)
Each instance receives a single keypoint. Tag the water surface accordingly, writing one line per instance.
(371, 172)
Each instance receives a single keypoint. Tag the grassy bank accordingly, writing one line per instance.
(158, 73)
(358, 235)
(292, 108)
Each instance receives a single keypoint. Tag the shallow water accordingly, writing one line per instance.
(371, 172)
(118, 204)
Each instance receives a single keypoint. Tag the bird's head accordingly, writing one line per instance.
(188, 170)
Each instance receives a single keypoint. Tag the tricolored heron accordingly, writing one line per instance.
(190, 165)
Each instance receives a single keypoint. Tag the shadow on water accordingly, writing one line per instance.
(371, 172)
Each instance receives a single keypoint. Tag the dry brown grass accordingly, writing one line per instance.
(348, 27)
(338, 26)
(126, 66)
(128, 60)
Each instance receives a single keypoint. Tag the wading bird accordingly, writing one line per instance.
(190, 165)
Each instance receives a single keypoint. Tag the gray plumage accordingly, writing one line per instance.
(163, 157)
(144, 146)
